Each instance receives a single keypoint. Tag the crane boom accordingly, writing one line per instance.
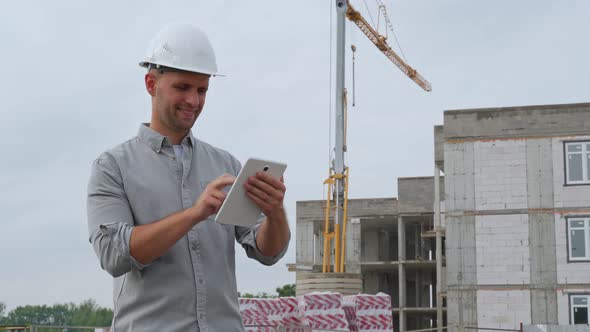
(380, 41)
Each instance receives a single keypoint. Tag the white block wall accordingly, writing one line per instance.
(563, 308)
(502, 250)
(493, 176)
(567, 196)
(459, 177)
(563, 305)
(304, 246)
(500, 175)
(504, 309)
(568, 273)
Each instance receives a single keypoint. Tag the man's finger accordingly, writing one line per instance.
(258, 192)
(272, 181)
(223, 181)
(263, 186)
(218, 194)
(260, 203)
(213, 202)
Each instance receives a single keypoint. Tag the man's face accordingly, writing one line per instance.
(178, 99)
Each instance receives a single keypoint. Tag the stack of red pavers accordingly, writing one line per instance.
(349, 307)
(255, 315)
(291, 318)
(369, 313)
(319, 311)
(323, 311)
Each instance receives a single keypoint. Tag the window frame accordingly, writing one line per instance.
(572, 306)
(586, 219)
(585, 170)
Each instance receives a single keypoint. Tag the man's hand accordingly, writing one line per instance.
(268, 194)
(211, 199)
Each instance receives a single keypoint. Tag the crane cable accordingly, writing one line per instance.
(353, 48)
(369, 12)
(389, 25)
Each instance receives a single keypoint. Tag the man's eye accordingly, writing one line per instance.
(181, 87)
(202, 91)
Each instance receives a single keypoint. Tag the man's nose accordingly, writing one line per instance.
(193, 99)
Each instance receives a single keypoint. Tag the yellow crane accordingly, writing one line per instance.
(339, 174)
(381, 42)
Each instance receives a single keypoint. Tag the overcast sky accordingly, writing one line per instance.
(71, 88)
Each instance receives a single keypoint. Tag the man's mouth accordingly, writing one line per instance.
(187, 113)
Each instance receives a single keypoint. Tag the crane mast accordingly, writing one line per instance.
(339, 173)
(337, 178)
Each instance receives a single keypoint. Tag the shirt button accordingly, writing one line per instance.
(194, 247)
(200, 281)
(201, 316)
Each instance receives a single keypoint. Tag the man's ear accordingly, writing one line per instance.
(150, 84)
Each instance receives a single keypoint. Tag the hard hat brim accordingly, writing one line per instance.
(146, 64)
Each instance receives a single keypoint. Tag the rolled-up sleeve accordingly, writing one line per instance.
(110, 220)
(247, 238)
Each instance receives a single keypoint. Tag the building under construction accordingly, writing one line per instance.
(511, 217)
(390, 242)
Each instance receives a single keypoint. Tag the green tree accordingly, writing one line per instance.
(2, 313)
(60, 313)
(88, 313)
(286, 290)
(260, 295)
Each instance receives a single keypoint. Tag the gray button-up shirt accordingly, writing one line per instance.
(192, 287)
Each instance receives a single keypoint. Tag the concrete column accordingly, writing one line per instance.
(318, 246)
(460, 235)
(353, 246)
(542, 246)
(401, 242)
(438, 230)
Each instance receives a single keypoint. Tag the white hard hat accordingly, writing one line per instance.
(183, 47)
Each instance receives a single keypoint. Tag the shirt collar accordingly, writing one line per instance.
(155, 140)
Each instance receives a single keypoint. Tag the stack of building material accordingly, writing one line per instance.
(323, 311)
(349, 306)
(372, 313)
(254, 315)
(273, 309)
(319, 311)
(290, 311)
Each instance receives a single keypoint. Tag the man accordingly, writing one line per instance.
(151, 202)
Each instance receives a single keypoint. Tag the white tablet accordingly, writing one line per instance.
(238, 209)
